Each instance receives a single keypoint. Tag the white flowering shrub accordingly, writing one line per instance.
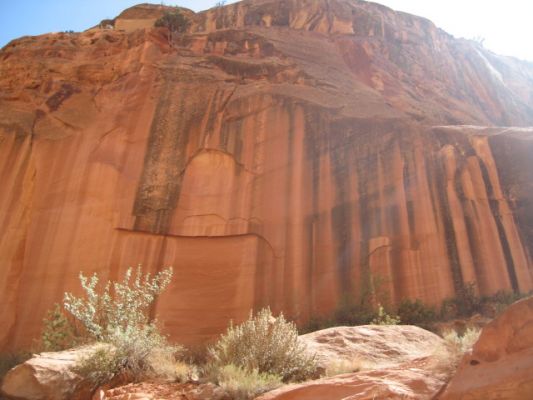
(118, 316)
(120, 305)
(264, 344)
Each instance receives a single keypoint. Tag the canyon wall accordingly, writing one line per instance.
(282, 153)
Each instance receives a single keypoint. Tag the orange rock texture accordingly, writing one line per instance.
(393, 362)
(280, 153)
(500, 365)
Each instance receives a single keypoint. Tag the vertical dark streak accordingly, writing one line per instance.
(449, 232)
(509, 263)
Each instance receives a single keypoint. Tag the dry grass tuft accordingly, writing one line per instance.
(343, 367)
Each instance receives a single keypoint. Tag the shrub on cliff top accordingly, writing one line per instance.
(173, 20)
(265, 345)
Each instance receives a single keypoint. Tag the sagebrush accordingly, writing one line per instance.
(267, 345)
(135, 353)
(415, 312)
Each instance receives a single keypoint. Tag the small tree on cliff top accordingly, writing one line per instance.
(174, 21)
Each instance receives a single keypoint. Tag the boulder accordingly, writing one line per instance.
(500, 365)
(396, 362)
(47, 376)
(373, 346)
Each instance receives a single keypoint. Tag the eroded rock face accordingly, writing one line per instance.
(281, 153)
(500, 365)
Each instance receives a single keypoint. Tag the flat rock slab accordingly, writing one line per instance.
(421, 380)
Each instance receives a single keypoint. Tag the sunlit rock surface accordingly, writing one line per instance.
(500, 365)
(281, 153)
(392, 362)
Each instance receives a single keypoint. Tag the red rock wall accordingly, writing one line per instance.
(279, 166)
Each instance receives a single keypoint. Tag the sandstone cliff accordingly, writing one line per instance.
(282, 152)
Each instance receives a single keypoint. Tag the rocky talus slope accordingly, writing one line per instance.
(281, 152)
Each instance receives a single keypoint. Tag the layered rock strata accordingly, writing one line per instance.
(282, 153)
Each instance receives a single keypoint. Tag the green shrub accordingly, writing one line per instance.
(59, 332)
(468, 301)
(317, 323)
(353, 312)
(173, 20)
(465, 304)
(383, 318)
(137, 353)
(264, 344)
(416, 313)
(118, 317)
(349, 312)
(100, 366)
(502, 299)
(358, 308)
(448, 310)
(242, 384)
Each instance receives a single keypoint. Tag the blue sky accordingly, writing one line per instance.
(505, 26)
